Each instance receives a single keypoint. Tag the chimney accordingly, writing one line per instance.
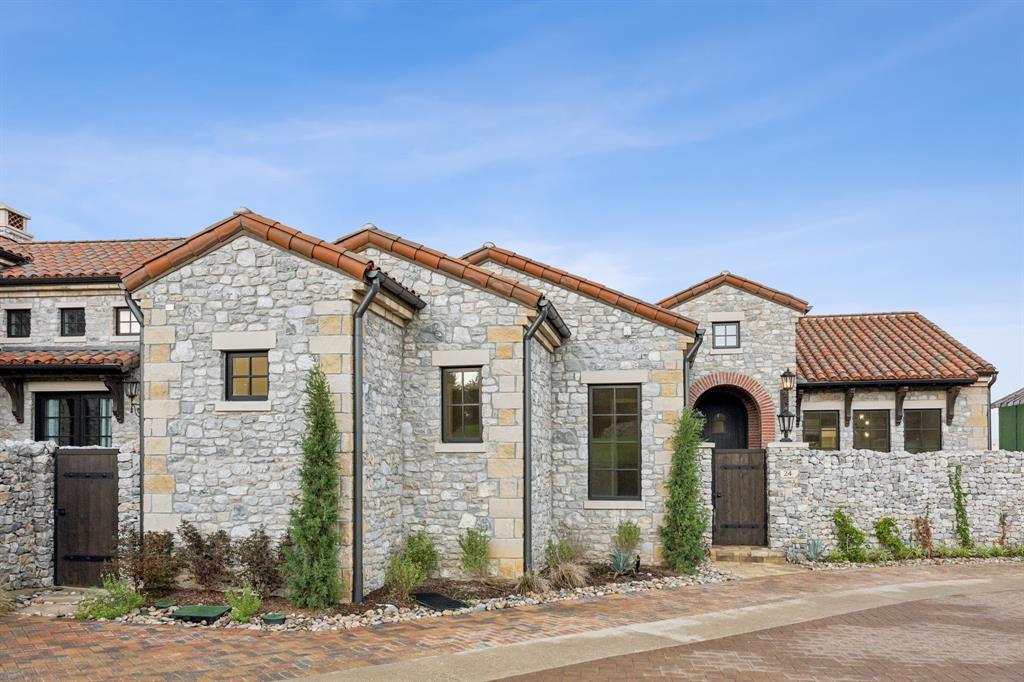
(14, 224)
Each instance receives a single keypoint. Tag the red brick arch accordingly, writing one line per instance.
(759, 404)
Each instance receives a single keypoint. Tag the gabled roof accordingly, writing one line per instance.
(742, 283)
(59, 357)
(874, 347)
(101, 260)
(586, 287)
(262, 228)
(1015, 398)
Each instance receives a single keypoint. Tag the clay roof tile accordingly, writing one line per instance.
(742, 283)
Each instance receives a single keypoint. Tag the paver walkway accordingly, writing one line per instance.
(35, 648)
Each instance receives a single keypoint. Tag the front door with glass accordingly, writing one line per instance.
(75, 419)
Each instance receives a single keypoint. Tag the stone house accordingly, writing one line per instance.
(485, 391)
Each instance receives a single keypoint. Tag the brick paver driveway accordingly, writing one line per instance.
(38, 648)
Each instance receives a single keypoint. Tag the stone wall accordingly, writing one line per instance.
(26, 514)
(542, 420)
(45, 303)
(806, 486)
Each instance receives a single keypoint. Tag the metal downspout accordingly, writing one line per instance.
(543, 310)
(691, 355)
(989, 428)
(137, 314)
(357, 435)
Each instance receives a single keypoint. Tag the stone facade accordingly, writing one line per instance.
(806, 486)
(26, 514)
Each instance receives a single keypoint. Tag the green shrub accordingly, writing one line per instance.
(259, 562)
(622, 561)
(311, 559)
(849, 538)
(998, 551)
(402, 575)
(963, 527)
(476, 547)
(206, 558)
(148, 561)
(888, 534)
(627, 536)
(421, 550)
(557, 550)
(686, 517)
(245, 604)
(117, 598)
(562, 564)
(814, 549)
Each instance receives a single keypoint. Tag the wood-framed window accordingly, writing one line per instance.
(821, 429)
(247, 375)
(725, 334)
(871, 430)
(460, 405)
(125, 323)
(614, 442)
(19, 323)
(922, 430)
(75, 419)
(72, 321)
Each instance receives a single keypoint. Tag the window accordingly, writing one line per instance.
(615, 442)
(19, 324)
(248, 376)
(922, 430)
(871, 430)
(72, 322)
(74, 419)
(821, 429)
(725, 335)
(461, 405)
(125, 323)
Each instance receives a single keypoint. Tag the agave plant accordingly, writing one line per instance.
(622, 561)
(815, 549)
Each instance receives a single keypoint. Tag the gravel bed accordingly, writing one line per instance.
(847, 565)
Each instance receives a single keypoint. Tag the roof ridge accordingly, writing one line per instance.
(895, 312)
(744, 283)
(101, 241)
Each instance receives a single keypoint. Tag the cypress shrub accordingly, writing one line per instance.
(686, 517)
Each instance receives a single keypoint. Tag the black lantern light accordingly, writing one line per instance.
(788, 380)
(131, 390)
(786, 419)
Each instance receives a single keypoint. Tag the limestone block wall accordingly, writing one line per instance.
(26, 514)
(542, 418)
(806, 486)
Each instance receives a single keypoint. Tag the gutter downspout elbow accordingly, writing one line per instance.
(373, 277)
(544, 309)
(691, 356)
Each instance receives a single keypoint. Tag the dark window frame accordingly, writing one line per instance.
(638, 388)
(907, 428)
(230, 376)
(839, 429)
(888, 430)
(446, 426)
(78, 421)
(14, 312)
(714, 336)
(131, 321)
(65, 325)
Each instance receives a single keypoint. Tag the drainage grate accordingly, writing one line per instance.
(437, 601)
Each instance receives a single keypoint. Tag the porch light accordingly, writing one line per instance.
(786, 419)
(788, 380)
(131, 390)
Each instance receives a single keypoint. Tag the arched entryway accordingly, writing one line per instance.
(720, 397)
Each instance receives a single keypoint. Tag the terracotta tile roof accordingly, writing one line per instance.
(1015, 398)
(126, 359)
(742, 283)
(586, 287)
(441, 262)
(12, 250)
(258, 226)
(96, 260)
(881, 347)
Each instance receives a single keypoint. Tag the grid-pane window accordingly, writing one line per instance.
(725, 335)
(125, 323)
(871, 430)
(614, 442)
(922, 430)
(19, 324)
(461, 405)
(248, 376)
(72, 322)
(821, 429)
(75, 419)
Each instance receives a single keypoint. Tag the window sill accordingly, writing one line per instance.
(725, 351)
(17, 339)
(242, 406)
(614, 504)
(461, 447)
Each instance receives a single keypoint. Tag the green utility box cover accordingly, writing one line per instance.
(200, 614)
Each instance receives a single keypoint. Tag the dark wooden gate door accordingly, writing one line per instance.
(740, 500)
(725, 420)
(86, 514)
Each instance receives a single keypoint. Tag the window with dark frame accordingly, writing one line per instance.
(19, 324)
(922, 430)
(460, 398)
(871, 430)
(72, 321)
(725, 335)
(614, 458)
(247, 375)
(75, 419)
(125, 323)
(821, 429)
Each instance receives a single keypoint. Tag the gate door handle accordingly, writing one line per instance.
(718, 495)
(62, 512)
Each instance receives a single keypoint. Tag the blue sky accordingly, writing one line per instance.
(866, 157)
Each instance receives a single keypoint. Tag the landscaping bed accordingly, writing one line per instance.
(937, 561)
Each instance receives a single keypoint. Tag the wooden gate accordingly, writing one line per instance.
(740, 501)
(86, 514)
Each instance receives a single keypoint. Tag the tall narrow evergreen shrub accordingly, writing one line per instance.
(963, 526)
(686, 517)
(311, 560)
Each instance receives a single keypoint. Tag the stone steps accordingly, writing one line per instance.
(748, 554)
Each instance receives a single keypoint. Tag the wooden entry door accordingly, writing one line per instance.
(86, 514)
(740, 502)
(725, 420)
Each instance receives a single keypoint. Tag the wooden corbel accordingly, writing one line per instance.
(848, 405)
(901, 395)
(799, 401)
(951, 395)
(16, 389)
(115, 384)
